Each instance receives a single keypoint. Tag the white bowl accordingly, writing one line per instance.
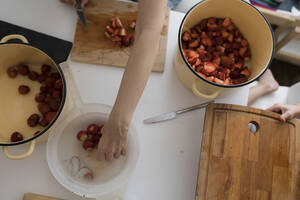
(65, 154)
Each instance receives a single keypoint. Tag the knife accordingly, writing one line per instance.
(80, 13)
(172, 115)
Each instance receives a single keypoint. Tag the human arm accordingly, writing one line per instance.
(149, 25)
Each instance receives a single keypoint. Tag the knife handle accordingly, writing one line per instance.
(193, 107)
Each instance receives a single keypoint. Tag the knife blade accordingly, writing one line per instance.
(80, 13)
(173, 115)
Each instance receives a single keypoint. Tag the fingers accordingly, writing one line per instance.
(275, 108)
(285, 116)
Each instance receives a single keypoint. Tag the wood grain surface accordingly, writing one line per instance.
(237, 164)
(91, 45)
(31, 196)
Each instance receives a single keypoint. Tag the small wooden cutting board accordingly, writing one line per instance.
(91, 45)
(237, 164)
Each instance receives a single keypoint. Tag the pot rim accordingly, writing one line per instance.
(62, 101)
(213, 83)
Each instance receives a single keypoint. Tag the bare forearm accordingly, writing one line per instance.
(144, 51)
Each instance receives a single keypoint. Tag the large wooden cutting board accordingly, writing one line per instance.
(92, 47)
(31, 196)
(237, 164)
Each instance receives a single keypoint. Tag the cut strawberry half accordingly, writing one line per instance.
(209, 67)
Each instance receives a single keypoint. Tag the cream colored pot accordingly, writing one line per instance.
(252, 24)
(15, 109)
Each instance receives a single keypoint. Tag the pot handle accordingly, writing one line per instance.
(15, 36)
(19, 157)
(200, 94)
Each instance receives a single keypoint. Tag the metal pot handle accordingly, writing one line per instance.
(200, 94)
(19, 157)
(15, 36)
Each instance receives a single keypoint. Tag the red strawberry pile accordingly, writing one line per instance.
(90, 137)
(217, 51)
(49, 98)
(117, 33)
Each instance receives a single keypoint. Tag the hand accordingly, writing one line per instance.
(286, 111)
(73, 2)
(113, 142)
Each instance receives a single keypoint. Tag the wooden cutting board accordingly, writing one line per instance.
(91, 45)
(31, 196)
(237, 164)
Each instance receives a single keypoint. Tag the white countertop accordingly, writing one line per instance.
(168, 164)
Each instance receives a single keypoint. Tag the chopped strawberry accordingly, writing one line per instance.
(199, 68)
(194, 44)
(133, 24)
(192, 60)
(202, 75)
(217, 60)
(122, 32)
(118, 22)
(212, 27)
(202, 53)
(192, 54)
(227, 81)
(225, 34)
(226, 61)
(239, 65)
(186, 36)
(230, 38)
(210, 78)
(109, 29)
(230, 27)
(244, 43)
(209, 67)
(221, 76)
(198, 62)
(195, 35)
(226, 22)
(207, 41)
(246, 72)
(218, 81)
(242, 51)
(221, 49)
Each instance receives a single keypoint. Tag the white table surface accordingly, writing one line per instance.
(168, 164)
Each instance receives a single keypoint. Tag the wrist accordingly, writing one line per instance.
(120, 119)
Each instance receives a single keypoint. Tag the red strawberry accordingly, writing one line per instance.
(92, 129)
(82, 135)
(88, 145)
